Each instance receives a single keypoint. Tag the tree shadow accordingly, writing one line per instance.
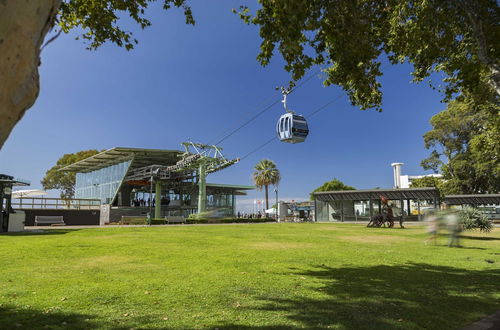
(12, 317)
(386, 297)
(480, 238)
(38, 232)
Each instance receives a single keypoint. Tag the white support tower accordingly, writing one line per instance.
(397, 174)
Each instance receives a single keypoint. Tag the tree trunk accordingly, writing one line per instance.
(23, 27)
(267, 198)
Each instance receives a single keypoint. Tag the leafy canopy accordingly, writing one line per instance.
(430, 181)
(266, 173)
(65, 181)
(99, 19)
(332, 185)
(465, 147)
(350, 38)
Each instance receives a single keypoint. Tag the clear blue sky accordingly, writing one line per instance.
(183, 82)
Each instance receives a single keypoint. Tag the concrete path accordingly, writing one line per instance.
(490, 322)
(34, 228)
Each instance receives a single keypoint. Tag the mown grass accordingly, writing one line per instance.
(274, 276)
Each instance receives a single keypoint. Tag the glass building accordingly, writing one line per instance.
(134, 181)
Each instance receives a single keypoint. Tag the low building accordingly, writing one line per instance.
(362, 205)
(135, 182)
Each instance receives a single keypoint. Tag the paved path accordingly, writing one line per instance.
(490, 322)
(34, 228)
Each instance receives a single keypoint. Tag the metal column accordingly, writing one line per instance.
(418, 208)
(202, 188)
(233, 203)
(342, 210)
(157, 199)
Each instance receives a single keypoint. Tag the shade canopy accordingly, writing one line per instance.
(472, 199)
(28, 193)
(393, 194)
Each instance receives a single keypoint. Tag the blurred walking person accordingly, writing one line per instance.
(454, 227)
(432, 227)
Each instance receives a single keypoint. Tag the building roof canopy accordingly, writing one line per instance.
(141, 157)
(472, 199)
(395, 194)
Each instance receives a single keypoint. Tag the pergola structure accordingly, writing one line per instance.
(363, 204)
(474, 200)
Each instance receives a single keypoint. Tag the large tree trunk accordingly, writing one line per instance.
(23, 27)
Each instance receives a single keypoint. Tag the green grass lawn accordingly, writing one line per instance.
(274, 276)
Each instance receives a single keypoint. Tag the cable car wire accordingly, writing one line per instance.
(259, 147)
(324, 106)
(302, 83)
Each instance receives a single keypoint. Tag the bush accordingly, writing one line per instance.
(228, 220)
(472, 219)
(159, 221)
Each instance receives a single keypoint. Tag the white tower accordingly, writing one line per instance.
(397, 174)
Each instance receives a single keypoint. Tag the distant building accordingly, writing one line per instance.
(404, 181)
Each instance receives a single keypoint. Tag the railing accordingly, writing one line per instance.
(56, 203)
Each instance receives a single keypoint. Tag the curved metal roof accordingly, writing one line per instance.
(141, 157)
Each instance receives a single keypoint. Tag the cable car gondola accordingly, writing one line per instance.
(291, 128)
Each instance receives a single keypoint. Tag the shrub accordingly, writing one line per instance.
(228, 220)
(472, 219)
(158, 221)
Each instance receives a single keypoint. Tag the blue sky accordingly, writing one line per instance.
(183, 82)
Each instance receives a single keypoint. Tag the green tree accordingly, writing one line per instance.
(65, 181)
(430, 181)
(266, 174)
(465, 148)
(333, 185)
(456, 37)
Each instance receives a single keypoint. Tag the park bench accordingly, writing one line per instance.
(175, 219)
(53, 220)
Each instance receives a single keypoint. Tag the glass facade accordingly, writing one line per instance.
(101, 184)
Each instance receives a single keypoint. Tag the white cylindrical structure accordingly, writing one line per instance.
(397, 174)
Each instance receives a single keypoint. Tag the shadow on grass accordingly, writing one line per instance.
(38, 232)
(480, 238)
(12, 317)
(385, 297)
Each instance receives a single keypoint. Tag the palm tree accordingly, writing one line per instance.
(266, 174)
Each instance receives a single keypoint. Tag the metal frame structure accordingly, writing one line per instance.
(159, 169)
(6, 184)
(474, 200)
